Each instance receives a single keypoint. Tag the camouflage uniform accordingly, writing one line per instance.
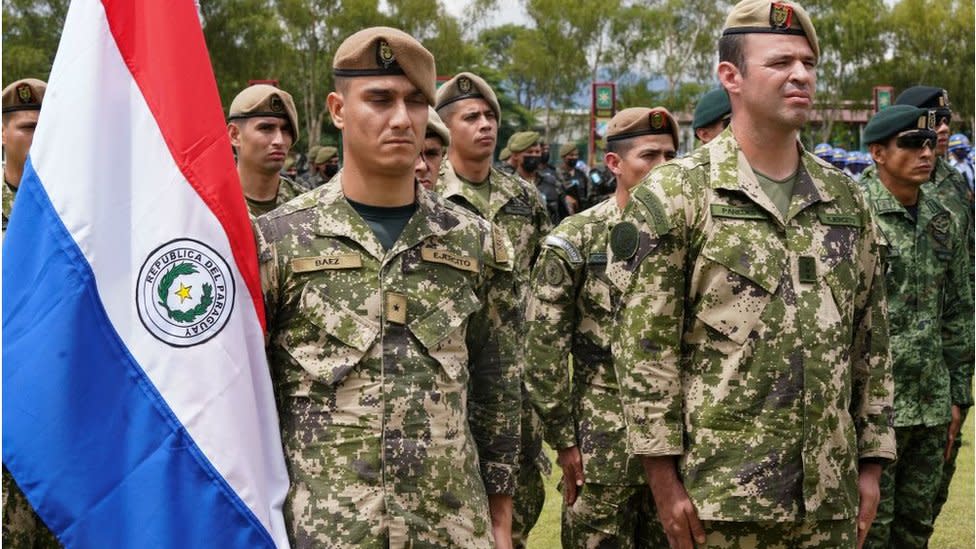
(753, 346)
(287, 189)
(514, 206)
(394, 372)
(570, 311)
(9, 193)
(929, 291)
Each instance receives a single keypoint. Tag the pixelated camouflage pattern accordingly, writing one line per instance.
(949, 468)
(530, 498)
(612, 517)
(570, 312)
(752, 346)
(835, 534)
(930, 305)
(287, 189)
(908, 490)
(396, 380)
(516, 207)
(8, 202)
(22, 528)
(951, 187)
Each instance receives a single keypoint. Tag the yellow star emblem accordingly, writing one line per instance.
(183, 292)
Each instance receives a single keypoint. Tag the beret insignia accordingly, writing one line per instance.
(944, 99)
(276, 104)
(657, 120)
(931, 121)
(25, 94)
(780, 15)
(384, 54)
(464, 84)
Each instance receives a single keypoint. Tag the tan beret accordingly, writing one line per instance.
(468, 85)
(265, 100)
(522, 140)
(637, 121)
(380, 51)
(324, 154)
(505, 154)
(24, 95)
(763, 16)
(566, 149)
(436, 127)
(312, 151)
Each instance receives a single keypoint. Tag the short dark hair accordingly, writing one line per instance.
(340, 83)
(731, 49)
(620, 146)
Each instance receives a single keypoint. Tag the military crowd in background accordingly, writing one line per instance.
(752, 345)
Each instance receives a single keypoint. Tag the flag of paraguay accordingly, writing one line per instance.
(137, 403)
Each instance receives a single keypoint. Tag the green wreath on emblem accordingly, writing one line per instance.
(166, 282)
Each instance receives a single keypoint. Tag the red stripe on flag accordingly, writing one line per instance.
(162, 44)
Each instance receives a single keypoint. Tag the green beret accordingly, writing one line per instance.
(764, 16)
(712, 107)
(436, 127)
(324, 154)
(468, 85)
(637, 121)
(522, 140)
(566, 149)
(265, 100)
(505, 154)
(894, 120)
(24, 95)
(379, 51)
(928, 97)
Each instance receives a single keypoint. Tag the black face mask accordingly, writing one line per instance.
(530, 163)
(570, 163)
(330, 170)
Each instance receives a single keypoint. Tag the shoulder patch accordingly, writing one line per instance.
(572, 253)
(623, 240)
(658, 215)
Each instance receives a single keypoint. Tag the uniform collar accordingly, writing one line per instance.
(729, 170)
(450, 185)
(335, 217)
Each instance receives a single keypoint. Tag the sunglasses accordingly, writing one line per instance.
(942, 115)
(916, 140)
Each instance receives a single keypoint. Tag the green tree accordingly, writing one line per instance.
(31, 32)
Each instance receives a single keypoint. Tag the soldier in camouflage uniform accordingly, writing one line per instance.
(22, 528)
(929, 291)
(606, 502)
(262, 125)
(752, 337)
(712, 115)
(469, 108)
(950, 187)
(572, 178)
(390, 332)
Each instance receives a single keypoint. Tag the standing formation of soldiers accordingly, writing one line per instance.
(724, 349)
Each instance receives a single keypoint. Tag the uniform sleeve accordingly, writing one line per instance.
(957, 326)
(550, 323)
(267, 268)
(540, 216)
(647, 339)
(494, 387)
(872, 393)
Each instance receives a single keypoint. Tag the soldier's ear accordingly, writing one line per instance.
(612, 161)
(729, 77)
(335, 102)
(234, 133)
(877, 153)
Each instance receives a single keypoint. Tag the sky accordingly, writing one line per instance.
(510, 11)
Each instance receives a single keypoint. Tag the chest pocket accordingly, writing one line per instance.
(334, 338)
(596, 288)
(842, 233)
(441, 330)
(739, 270)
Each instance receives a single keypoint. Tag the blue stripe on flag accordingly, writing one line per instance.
(97, 450)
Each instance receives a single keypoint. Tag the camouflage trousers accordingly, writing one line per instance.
(908, 489)
(534, 467)
(22, 528)
(948, 470)
(612, 517)
(835, 534)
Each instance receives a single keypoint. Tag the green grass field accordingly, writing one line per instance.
(953, 530)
